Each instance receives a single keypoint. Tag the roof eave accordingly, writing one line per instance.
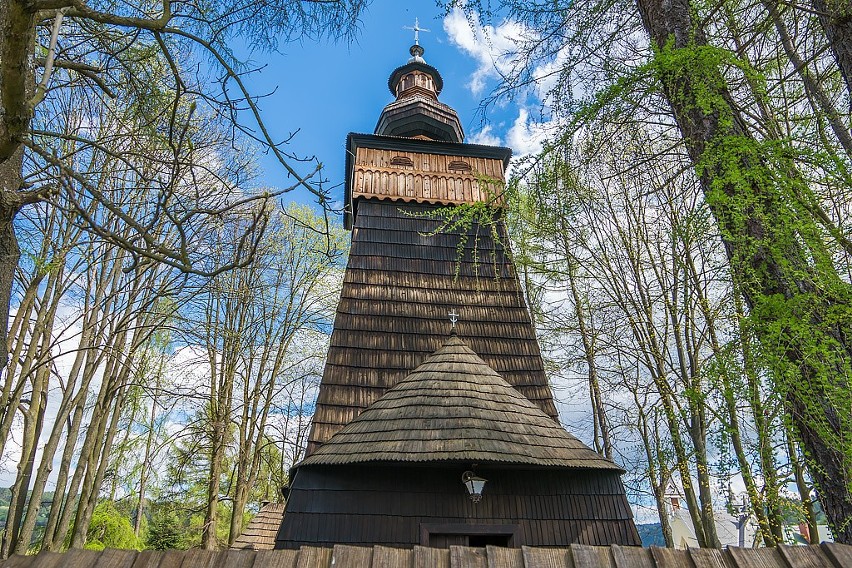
(315, 460)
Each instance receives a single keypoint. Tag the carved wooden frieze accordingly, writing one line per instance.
(426, 177)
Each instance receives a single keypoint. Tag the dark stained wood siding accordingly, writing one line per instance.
(399, 286)
(389, 505)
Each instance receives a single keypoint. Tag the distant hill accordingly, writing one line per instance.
(6, 498)
(651, 534)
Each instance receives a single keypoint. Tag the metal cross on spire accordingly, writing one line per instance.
(416, 29)
(454, 317)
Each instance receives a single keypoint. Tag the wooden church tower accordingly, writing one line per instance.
(409, 403)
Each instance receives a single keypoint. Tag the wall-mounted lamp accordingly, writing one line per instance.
(474, 485)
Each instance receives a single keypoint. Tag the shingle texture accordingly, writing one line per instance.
(403, 505)
(341, 556)
(401, 281)
(454, 407)
(260, 533)
(420, 115)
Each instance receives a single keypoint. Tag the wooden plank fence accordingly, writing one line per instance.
(826, 555)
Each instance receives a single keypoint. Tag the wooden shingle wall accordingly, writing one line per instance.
(399, 286)
(393, 505)
(418, 114)
(341, 556)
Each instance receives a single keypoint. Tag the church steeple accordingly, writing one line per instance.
(399, 420)
(417, 112)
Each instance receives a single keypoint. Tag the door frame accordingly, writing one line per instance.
(513, 531)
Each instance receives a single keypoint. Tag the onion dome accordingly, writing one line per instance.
(416, 112)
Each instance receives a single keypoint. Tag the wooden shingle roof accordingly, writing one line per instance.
(260, 533)
(455, 408)
(576, 556)
(399, 286)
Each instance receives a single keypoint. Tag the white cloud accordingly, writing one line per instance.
(526, 137)
(490, 47)
(486, 136)
(494, 48)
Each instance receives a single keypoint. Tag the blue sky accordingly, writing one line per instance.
(326, 90)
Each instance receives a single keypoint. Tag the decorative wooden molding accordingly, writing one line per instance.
(423, 177)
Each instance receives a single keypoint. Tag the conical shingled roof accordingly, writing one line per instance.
(455, 408)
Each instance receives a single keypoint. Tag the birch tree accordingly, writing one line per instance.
(254, 323)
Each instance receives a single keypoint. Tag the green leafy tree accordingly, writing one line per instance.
(104, 109)
(110, 529)
(764, 121)
(48, 46)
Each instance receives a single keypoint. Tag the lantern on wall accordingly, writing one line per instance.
(474, 485)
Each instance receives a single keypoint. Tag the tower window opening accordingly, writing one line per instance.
(401, 161)
(459, 167)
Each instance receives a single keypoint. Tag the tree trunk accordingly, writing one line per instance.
(10, 253)
(729, 396)
(812, 85)
(804, 490)
(835, 16)
(20, 541)
(93, 348)
(114, 391)
(682, 460)
(698, 434)
(89, 499)
(644, 330)
(762, 425)
(49, 449)
(658, 472)
(149, 445)
(32, 365)
(33, 420)
(241, 491)
(217, 455)
(603, 444)
(17, 40)
(691, 378)
(54, 536)
(775, 250)
(85, 462)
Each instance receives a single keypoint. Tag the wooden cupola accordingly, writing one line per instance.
(417, 112)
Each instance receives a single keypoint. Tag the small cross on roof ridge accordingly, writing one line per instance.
(454, 317)
(416, 29)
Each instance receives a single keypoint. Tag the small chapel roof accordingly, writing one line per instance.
(455, 408)
(260, 533)
(416, 63)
